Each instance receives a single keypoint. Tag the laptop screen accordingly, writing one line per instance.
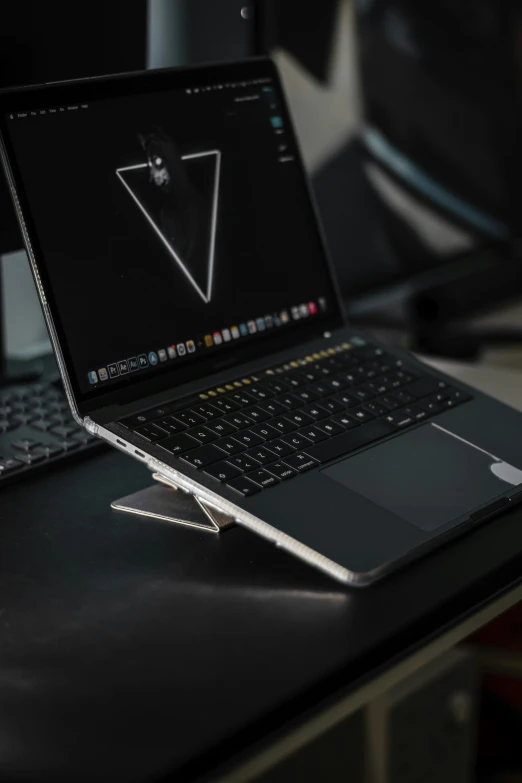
(173, 222)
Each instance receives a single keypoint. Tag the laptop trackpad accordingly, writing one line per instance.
(427, 476)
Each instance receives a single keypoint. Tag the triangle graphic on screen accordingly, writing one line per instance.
(189, 237)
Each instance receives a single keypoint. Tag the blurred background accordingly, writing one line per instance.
(410, 120)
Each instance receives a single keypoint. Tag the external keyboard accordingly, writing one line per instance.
(37, 429)
(254, 432)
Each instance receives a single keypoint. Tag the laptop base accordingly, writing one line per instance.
(168, 504)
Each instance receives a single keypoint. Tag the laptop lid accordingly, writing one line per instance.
(169, 225)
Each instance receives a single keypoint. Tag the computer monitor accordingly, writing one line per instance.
(433, 178)
(441, 120)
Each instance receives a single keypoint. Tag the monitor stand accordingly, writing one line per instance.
(167, 503)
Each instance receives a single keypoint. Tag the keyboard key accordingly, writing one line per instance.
(32, 457)
(388, 402)
(204, 456)
(40, 424)
(345, 400)
(314, 434)
(244, 486)
(203, 434)
(289, 401)
(244, 399)
(361, 415)
(222, 471)
(416, 412)
(345, 421)
(459, 396)
(311, 375)
(336, 384)
(404, 397)
(299, 418)
(431, 407)
(9, 465)
(150, 432)
(280, 471)
(263, 478)
(256, 414)
(248, 438)
(424, 387)
(230, 446)
(321, 369)
(280, 449)
(169, 423)
(260, 392)
(55, 449)
(226, 405)
(207, 410)
(399, 419)
(178, 444)
(302, 462)
(294, 380)
(316, 412)
(330, 427)
(82, 437)
(243, 462)
(63, 431)
(278, 387)
(360, 394)
(399, 378)
(350, 441)
(189, 418)
(283, 425)
(26, 444)
(333, 405)
(296, 440)
(16, 420)
(307, 395)
(375, 408)
(376, 387)
(70, 444)
(441, 396)
(265, 431)
(263, 455)
(446, 402)
(272, 407)
(140, 418)
(321, 389)
(221, 427)
(238, 420)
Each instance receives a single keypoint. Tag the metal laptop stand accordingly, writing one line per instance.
(165, 502)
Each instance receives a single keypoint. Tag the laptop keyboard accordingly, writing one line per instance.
(37, 430)
(256, 432)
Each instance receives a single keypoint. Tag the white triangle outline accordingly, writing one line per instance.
(206, 296)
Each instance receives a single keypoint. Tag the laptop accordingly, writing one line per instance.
(198, 326)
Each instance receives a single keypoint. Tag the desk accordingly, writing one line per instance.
(132, 650)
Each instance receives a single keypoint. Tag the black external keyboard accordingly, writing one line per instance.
(37, 429)
(254, 432)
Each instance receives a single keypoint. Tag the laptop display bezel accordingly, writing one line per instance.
(85, 90)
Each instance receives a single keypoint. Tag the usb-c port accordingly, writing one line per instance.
(121, 443)
(139, 454)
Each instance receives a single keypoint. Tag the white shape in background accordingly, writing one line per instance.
(205, 295)
(26, 334)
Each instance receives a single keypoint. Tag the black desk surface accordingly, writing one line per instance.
(132, 649)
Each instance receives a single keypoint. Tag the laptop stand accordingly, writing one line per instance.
(165, 502)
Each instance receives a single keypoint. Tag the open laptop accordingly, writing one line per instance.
(199, 329)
